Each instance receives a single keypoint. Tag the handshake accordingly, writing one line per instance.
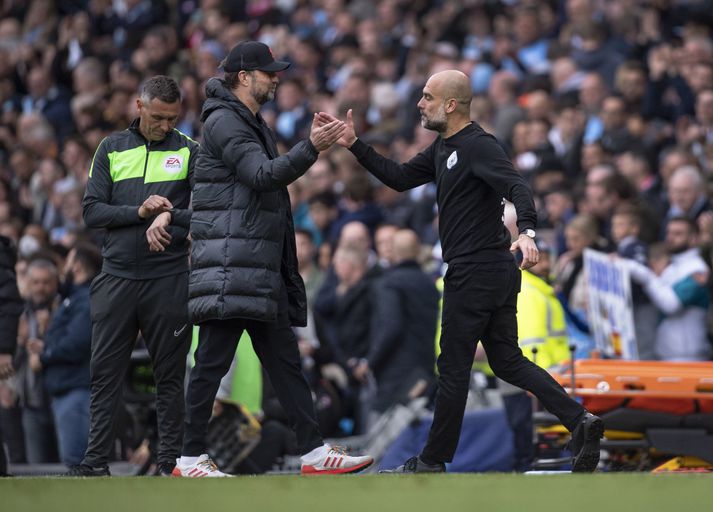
(327, 129)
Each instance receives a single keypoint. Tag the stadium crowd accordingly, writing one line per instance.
(606, 107)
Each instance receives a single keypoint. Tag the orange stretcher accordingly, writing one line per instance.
(631, 379)
(676, 388)
(663, 408)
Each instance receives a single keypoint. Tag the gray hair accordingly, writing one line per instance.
(162, 87)
(43, 264)
(690, 173)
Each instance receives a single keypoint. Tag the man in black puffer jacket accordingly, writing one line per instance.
(244, 263)
(10, 310)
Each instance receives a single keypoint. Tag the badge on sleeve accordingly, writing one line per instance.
(452, 160)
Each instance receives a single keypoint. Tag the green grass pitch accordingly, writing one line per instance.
(630, 492)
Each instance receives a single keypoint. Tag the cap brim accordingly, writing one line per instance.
(274, 67)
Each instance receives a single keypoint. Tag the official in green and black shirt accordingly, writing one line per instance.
(139, 190)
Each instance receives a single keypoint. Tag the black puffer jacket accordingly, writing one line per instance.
(10, 301)
(243, 249)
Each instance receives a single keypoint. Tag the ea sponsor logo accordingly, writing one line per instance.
(173, 164)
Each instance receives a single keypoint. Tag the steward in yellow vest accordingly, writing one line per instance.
(541, 322)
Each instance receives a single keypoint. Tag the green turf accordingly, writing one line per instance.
(630, 492)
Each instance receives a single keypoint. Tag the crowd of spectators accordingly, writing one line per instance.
(606, 107)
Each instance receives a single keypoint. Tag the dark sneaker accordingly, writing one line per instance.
(85, 470)
(416, 465)
(585, 444)
(164, 469)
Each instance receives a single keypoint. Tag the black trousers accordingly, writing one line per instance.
(120, 308)
(3, 458)
(276, 346)
(480, 303)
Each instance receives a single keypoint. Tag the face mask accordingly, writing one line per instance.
(28, 246)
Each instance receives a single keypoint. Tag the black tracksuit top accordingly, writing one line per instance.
(125, 171)
(473, 175)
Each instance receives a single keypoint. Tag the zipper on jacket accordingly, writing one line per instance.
(143, 184)
(146, 161)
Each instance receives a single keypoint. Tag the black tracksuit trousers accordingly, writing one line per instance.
(276, 346)
(480, 303)
(3, 459)
(120, 309)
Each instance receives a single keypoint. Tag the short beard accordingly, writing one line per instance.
(263, 97)
(678, 249)
(437, 124)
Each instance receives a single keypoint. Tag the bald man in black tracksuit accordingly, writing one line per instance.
(473, 175)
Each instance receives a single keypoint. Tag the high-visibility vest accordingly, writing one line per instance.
(541, 322)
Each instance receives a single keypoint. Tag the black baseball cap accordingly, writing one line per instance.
(251, 55)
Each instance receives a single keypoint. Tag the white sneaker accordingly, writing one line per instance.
(204, 467)
(333, 460)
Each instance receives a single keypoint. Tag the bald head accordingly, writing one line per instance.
(452, 84)
(445, 104)
(355, 234)
(406, 246)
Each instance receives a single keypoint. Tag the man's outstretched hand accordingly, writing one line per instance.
(323, 135)
(349, 136)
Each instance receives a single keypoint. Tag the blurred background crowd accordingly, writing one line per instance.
(606, 107)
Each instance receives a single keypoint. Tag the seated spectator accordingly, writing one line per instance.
(630, 82)
(592, 92)
(345, 312)
(384, 242)
(626, 227)
(65, 353)
(686, 195)
(558, 211)
(681, 294)
(41, 302)
(358, 204)
(323, 212)
(571, 286)
(403, 325)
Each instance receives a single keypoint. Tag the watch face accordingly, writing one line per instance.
(530, 233)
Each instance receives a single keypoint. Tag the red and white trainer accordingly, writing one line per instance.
(204, 467)
(333, 460)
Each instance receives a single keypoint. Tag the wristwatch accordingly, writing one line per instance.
(529, 233)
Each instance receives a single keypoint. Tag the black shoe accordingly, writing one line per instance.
(585, 443)
(164, 469)
(85, 470)
(416, 465)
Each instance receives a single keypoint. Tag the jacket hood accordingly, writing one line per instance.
(218, 96)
